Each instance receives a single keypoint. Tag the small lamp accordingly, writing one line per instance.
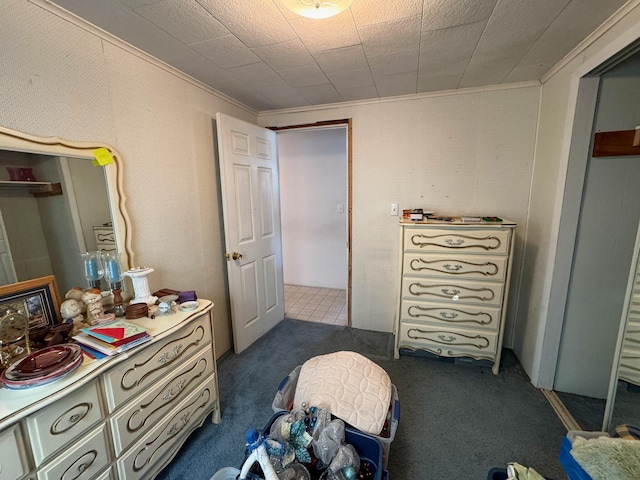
(317, 8)
(93, 268)
(113, 275)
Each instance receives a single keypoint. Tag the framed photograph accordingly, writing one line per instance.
(37, 299)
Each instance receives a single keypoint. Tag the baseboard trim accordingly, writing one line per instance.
(563, 414)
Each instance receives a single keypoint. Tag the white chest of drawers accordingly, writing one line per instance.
(454, 289)
(120, 418)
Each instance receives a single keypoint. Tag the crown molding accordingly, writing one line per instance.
(401, 98)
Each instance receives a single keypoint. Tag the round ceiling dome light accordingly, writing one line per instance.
(317, 8)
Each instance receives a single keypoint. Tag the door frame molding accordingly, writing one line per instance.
(347, 122)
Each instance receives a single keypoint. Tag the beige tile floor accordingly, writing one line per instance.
(322, 305)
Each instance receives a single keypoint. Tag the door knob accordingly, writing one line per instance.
(233, 256)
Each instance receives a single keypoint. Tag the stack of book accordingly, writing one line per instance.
(108, 339)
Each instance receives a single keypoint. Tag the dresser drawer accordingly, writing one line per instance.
(463, 316)
(452, 292)
(13, 458)
(155, 362)
(455, 266)
(166, 436)
(445, 240)
(54, 426)
(449, 342)
(145, 412)
(104, 235)
(82, 461)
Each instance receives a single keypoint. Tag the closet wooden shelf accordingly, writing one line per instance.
(37, 189)
(615, 144)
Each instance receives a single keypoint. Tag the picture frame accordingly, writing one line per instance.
(37, 299)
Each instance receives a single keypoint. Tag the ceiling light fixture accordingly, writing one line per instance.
(317, 8)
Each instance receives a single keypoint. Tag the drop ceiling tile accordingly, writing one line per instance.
(442, 48)
(573, 25)
(226, 52)
(274, 89)
(137, 3)
(439, 14)
(201, 68)
(320, 94)
(254, 74)
(334, 32)
(396, 62)
(438, 82)
(285, 55)
(399, 35)
(513, 28)
(398, 84)
(216, 7)
(246, 94)
(358, 93)
(351, 79)
(304, 76)
(369, 12)
(261, 24)
(489, 72)
(345, 58)
(186, 21)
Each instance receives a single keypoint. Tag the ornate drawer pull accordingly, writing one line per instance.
(457, 243)
(448, 339)
(453, 292)
(165, 358)
(70, 418)
(490, 270)
(81, 465)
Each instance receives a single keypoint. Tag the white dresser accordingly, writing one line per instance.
(119, 418)
(454, 288)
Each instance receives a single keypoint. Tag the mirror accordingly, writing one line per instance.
(623, 400)
(55, 204)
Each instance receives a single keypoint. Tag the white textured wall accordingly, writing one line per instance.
(535, 319)
(60, 78)
(465, 152)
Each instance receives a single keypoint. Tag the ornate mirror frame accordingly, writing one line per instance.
(22, 142)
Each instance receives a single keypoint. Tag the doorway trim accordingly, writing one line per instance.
(347, 122)
(543, 375)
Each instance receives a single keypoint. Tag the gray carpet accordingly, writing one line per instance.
(458, 420)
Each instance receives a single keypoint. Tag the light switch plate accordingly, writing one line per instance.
(394, 210)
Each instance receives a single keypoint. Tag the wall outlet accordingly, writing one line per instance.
(394, 210)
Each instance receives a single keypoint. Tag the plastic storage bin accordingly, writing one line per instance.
(367, 446)
(283, 402)
(571, 467)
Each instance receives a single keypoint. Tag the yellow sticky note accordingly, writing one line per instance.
(103, 157)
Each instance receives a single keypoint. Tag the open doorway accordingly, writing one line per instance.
(314, 195)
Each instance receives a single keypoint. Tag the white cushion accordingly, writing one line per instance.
(351, 386)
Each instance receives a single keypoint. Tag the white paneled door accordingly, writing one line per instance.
(248, 160)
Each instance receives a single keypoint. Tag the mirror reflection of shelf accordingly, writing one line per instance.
(38, 189)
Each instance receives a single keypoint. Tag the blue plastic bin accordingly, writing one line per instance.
(368, 447)
(571, 467)
(283, 401)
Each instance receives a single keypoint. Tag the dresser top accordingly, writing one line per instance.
(16, 404)
(457, 222)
